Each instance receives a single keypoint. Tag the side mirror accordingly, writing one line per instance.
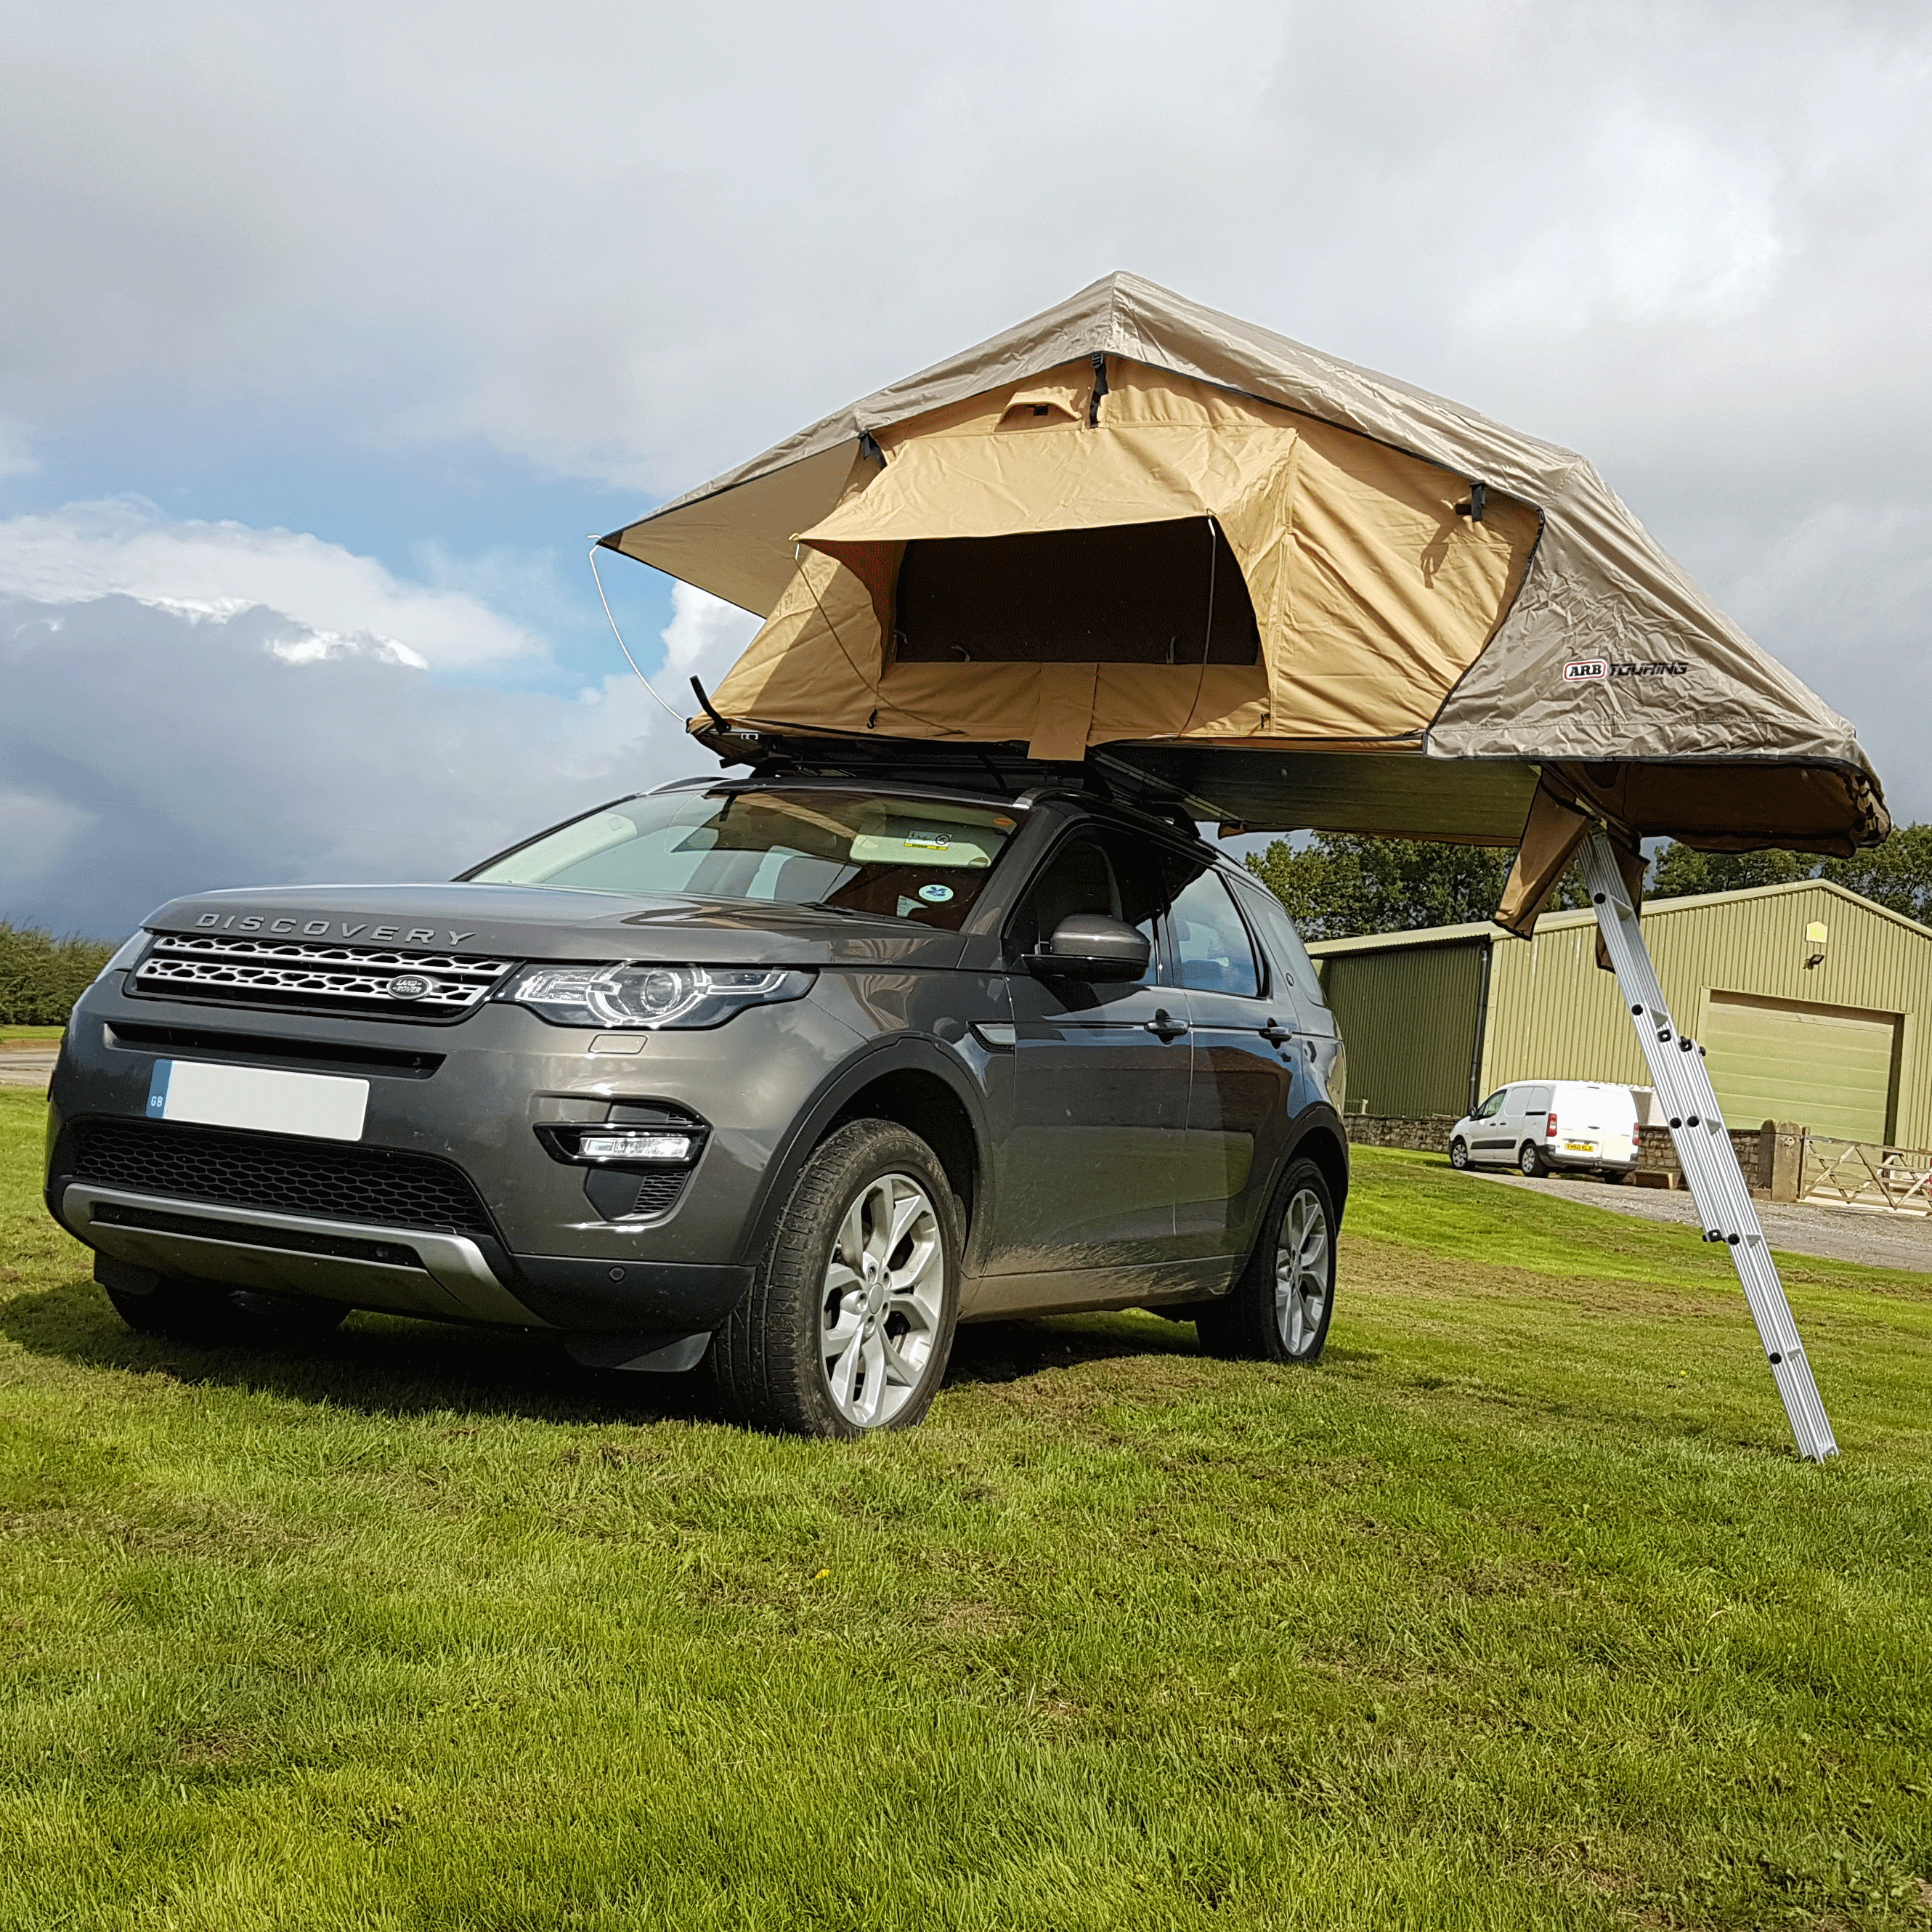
(1089, 946)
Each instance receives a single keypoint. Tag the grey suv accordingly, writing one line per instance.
(792, 1073)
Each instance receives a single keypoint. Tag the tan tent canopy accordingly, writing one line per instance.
(1307, 595)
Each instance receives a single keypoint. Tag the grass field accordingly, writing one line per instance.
(1518, 1611)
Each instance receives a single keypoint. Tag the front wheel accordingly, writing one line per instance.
(1279, 1309)
(848, 1323)
(1530, 1161)
(1459, 1153)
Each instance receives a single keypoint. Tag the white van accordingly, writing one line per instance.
(1537, 1125)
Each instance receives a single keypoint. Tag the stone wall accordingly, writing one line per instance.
(1758, 1148)
(1423, 1133)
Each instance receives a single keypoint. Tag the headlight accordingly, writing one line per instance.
(625, 995)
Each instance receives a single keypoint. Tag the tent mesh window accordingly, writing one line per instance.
(1130, 593)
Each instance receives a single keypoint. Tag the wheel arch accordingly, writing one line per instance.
(1323, 1141)
(913, 1082)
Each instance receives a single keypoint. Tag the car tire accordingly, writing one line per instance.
(848, 1323)
(1459, 1153)
(182, 1308)
(1531, 1163)
(1280, 1305)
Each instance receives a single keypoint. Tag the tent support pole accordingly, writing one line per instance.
(1703, 1144)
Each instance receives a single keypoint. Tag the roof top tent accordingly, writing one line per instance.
(1297, 595)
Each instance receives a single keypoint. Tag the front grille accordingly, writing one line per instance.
(293, 974)
(323, 1178)
(283, 1241)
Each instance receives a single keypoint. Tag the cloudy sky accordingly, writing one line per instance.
(330, 334)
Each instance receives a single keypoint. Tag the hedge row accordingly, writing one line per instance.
(41, 976)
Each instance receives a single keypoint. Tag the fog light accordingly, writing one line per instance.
(635, 1147)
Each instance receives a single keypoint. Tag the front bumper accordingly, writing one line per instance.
(552, 1244)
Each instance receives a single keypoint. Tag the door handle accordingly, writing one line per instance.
(1165, 1025)
(1275, 1035)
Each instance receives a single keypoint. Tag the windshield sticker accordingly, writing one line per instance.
(935, 894)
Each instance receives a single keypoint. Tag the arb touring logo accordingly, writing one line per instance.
(1589, 670)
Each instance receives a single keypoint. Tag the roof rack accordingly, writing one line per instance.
(1004, 768)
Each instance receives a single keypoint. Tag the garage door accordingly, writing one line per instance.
(1828, 1068)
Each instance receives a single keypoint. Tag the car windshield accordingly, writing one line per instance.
(858, 852)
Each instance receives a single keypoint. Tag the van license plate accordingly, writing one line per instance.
(1579, 1147)
(261, 1099)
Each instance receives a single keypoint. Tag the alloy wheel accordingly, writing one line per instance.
(1301, 1273)
(884, 1292)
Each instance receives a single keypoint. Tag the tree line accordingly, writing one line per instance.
(1343, 885)
(41, 976)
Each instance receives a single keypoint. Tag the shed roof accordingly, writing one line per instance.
(1653, 909)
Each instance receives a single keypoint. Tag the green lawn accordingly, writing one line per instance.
(1518, 1611)
(50, 1034)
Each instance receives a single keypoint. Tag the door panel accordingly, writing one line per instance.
(1241, 1098)
(1489, 1138)
(1089, 1160)
(1089, 1166)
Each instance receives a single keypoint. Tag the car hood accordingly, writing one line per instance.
(536, 922)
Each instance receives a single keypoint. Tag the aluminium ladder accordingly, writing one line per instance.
(1704, 1150)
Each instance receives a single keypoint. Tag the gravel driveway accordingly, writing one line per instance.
(29, 1066)
(1875, 1237)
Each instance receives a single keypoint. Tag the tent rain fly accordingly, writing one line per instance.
(1307, 596)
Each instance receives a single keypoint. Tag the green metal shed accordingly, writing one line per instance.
(1823, 1030)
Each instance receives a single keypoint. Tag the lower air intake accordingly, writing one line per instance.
(286, 1175)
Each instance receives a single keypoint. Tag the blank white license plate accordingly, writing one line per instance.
(323, 1106)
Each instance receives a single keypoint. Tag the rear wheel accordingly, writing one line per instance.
(1459, 1152)
(1530, 1161)
(1279, 1310)
(185, 1309)
(849, 1321)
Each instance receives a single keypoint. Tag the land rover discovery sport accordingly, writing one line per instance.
(790, 1073)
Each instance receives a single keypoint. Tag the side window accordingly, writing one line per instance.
(1535, 1099)
(1493, 1106)
(1078, 878)
(1212, 948)
(1150, 876)
(1281, 939)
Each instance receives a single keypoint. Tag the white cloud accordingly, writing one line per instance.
(341, 603)
(703, 639)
